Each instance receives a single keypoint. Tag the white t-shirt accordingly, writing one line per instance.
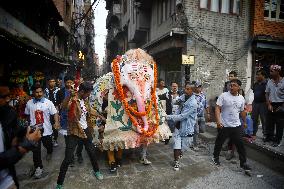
(6, 180)
(231, 106)
(40, 112)
(83, 119)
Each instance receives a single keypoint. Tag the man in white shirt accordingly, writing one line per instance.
(39, 110)
(230, 105)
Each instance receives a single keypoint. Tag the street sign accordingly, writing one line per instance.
(188, 60)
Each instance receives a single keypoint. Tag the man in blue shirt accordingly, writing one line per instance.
(259, 107)
(186, 119)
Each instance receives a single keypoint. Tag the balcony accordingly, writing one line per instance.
(113, 20)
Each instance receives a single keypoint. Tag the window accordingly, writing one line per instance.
(274, 10)
(203, 4)
(281, 11)
(163, 10)
(124, 6)
(225, 8)
(222, 6)
(214, 5)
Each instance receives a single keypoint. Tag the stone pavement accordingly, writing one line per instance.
(197, 171)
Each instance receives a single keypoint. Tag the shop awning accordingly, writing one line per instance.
(272, 46)
(14, 32)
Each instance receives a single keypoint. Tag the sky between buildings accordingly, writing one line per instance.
(100, 28)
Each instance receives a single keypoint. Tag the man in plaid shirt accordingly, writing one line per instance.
(202, 105)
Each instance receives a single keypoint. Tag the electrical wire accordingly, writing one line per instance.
(84, 16)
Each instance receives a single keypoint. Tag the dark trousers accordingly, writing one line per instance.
(234, 133)
(71, 143)
(79, 148)
(47, 143)
(275, 119)
(55, 133)
(259, 110)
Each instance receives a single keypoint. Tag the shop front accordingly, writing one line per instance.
(265, 53)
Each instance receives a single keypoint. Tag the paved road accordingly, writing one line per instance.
(196, 171)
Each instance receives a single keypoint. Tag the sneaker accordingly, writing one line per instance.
(48, 157)
(246, 167)
(118, 163)
(55, 144)
(276, 144)
(181, 155)
(80, 159)
(99, 175)
(59, 186)
(176, 165)
(38, 173)
(216, 161)
(230, 155)
(145, 161)
(112, 167)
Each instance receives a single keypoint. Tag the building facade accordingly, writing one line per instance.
(268, 34)
(42, 38)
(150, 25)
(221, 35)
(30, 44)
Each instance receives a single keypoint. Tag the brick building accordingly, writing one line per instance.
(268, 33)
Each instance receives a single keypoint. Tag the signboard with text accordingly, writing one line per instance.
(188, 59)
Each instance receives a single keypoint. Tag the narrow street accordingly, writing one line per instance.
(197, 171)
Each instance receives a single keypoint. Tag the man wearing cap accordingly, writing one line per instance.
(202, 108)
(275, 103)
(229, 106)
(186, 117)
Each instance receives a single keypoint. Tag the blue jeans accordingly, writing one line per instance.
(199, 127)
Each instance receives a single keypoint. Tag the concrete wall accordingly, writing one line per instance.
(230, 33)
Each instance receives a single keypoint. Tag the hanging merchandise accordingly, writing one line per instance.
(38, 76)
(19, 99)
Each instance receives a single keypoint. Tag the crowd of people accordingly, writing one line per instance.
(186, 112)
